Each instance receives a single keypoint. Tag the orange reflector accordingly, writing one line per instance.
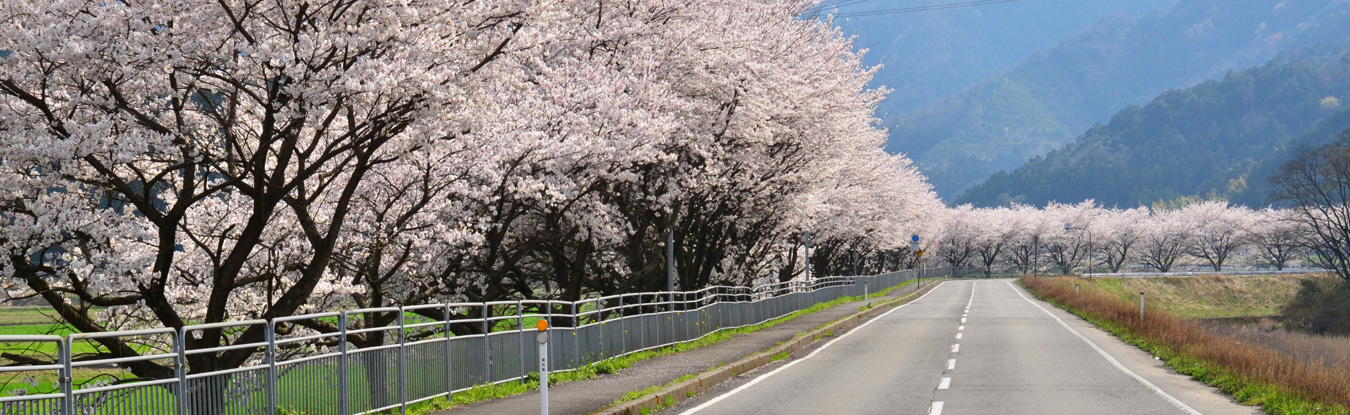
(542, 325)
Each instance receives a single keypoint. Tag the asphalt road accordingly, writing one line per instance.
(968, 347)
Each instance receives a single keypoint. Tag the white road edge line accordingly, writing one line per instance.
(1156, 390)
(951, 364)
(946, 383)
(936, 409)
(754, 381)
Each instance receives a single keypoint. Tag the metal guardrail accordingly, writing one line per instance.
(317, 373)
(1228, 272)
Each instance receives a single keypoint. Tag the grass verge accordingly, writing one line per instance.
(1252, 374)
(1211, 296)
(506, 389)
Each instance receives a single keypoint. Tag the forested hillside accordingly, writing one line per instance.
(1217, 140)
(932, 54)
(1048, 99)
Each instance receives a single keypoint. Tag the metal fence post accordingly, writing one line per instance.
(520, 335)
(671, 315)
(449, 367)
(623, 326)
(271, 337)
(403, 363)
(599, 320)
(344, 398)
(718, 301)
(67, 378)
(642, 326)
(576, 341)
(180, 368)
(549, 315)
(487, 348)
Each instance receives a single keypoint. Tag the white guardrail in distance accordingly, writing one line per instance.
(378, 359)
(1227, 272)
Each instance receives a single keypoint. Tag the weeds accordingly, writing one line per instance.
(1253, 374)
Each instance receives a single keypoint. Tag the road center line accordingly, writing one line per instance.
(946, 383)
(958, 336)
(956, 348)
(822, 348)
(951, 364)
(936, 409)
(961, 327)
(1156, 390)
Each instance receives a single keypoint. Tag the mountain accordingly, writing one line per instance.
(998, 124)
(1216, 140)
(931, 54)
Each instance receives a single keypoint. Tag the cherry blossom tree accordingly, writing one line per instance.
(1167, 235)
(177, 161)
(1072, 241)
(998, 232)
(1216, 230)
(1121, 232)
(960, 229)
(1025, 245)
(1278, 236)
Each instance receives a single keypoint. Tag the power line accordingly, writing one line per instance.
(826, 5)
(917, 9)
(831, 5)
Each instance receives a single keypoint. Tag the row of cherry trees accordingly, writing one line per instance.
(172, 161)
(1068, 237)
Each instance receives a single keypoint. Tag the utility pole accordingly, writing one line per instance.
(806, 241)
(670, 259)
(670, 243)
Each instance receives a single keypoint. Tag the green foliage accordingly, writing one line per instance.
(1040, 104)
(1322, 306)
(1205, 142)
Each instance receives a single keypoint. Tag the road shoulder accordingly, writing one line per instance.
(1198, 395)
(742, 352)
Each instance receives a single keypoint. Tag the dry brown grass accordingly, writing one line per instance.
(1332, 352)
(1291, 365)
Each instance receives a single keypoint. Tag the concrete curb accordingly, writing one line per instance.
(708, 379)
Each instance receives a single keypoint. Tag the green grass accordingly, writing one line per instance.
(27, 315)
(38, 320)
(1207, 296)
(638, 394)
(614, 365)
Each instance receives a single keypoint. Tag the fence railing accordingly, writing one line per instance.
(357, 366)
(1203, 273)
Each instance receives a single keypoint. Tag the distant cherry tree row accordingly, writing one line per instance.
(1084, 237)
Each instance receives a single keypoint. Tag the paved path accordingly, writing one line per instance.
(967, 347)
(588, 396)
